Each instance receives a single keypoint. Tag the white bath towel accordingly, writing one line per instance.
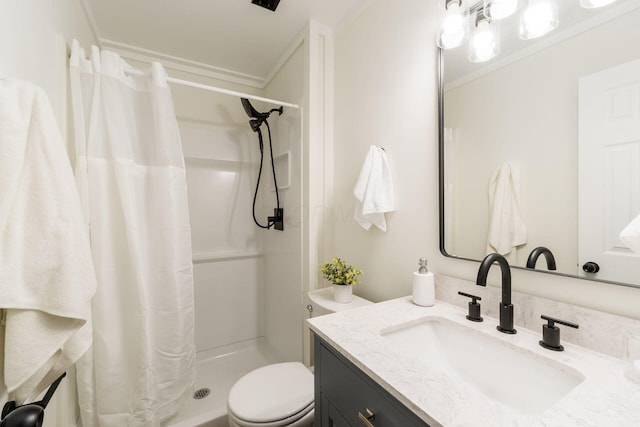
(630, 236)
(46, 271)
(374, 190)
(507, 228)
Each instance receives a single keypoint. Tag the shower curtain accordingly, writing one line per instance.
(131, 176)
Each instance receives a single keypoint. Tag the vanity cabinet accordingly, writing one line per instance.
(346, 396)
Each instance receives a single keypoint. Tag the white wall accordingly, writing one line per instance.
(527, 113)
(33, 36)
(32, 39)
(386, 95)
(283, 287)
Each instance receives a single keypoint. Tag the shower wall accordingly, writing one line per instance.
(248, 281)
(220, 157)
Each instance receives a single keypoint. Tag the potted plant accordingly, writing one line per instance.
(342, 276)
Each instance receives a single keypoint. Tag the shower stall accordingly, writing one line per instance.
(248, 279)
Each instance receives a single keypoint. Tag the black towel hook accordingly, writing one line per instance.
(31, 414)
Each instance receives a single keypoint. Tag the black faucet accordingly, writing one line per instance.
(541, 250)
(506, 308)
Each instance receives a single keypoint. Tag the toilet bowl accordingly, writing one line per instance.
(281, 394)
(273, 396)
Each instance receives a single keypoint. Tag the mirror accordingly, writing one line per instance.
(553, 126)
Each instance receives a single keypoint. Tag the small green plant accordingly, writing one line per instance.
(339, 273)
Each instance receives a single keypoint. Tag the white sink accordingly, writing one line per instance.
(511, 375)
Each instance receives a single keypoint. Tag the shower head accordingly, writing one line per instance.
(257, 118)
(252, 112)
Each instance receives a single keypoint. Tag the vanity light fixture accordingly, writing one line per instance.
(485, 40)
(537, 18)
(454, 24)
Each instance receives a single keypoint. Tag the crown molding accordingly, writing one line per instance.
(91, 19)
(289, 51)
(182, 64)
(351, 16)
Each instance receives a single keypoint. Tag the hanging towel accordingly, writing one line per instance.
(630, 236)
(46, 271)
(507, 229)
(374, 190)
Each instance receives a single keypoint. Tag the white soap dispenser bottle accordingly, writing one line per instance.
(424, 292)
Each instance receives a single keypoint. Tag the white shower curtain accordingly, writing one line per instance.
(131, 175)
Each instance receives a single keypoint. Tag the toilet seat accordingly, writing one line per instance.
(273, 396)
(302, 419)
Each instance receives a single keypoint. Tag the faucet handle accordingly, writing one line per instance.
(474, 307)
(551, 333)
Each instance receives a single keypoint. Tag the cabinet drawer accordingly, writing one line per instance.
(350, 391)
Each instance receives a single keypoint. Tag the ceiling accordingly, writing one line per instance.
(229, 34)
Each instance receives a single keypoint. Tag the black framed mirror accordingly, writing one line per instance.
(520, 127)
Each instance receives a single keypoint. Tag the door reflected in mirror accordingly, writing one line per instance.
(541, 146)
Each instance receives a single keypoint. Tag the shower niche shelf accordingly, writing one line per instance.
(283, 170)
(217, 164)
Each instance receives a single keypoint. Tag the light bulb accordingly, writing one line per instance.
(592, 4)
(537, 19)
(483, 55)
(483, 38)
(484, 43)
(448, 41)
(454, 24)
(453, 19)
(500, 9)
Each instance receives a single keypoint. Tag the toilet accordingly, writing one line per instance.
(282, 394)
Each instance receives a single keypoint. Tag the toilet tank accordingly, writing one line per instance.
(320, 303)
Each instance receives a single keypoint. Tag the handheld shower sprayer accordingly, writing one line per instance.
(256, 117)
(256, 120)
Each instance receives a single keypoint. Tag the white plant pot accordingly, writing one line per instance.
(342, 293)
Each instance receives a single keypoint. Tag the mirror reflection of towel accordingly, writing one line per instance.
(374, 190)
(507, 229)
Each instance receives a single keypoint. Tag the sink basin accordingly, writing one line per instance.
(505, 373)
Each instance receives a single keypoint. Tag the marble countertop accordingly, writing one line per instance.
(605, 397)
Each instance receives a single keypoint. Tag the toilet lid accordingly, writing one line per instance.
(272, 393)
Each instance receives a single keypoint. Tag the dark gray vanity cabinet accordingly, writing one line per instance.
(345, 396)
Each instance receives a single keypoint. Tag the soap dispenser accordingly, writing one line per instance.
(424, 292)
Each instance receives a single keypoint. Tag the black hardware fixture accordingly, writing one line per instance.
(29, 415)
(257, 119)
(551, 333)
(474, 307)
(535, 254)
(267, 4)
(590, 267)
(506, 308)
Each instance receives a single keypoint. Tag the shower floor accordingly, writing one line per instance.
(218, 370)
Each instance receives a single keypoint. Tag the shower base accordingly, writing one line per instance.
(218, 370)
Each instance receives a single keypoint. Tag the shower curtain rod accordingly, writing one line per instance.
(219, 90)
(182, 82)
(229, 92)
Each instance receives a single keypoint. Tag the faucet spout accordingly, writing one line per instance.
(506, 308)
(535, 254)
(486, 264)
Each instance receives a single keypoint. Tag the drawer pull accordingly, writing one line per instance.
(366, 419)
